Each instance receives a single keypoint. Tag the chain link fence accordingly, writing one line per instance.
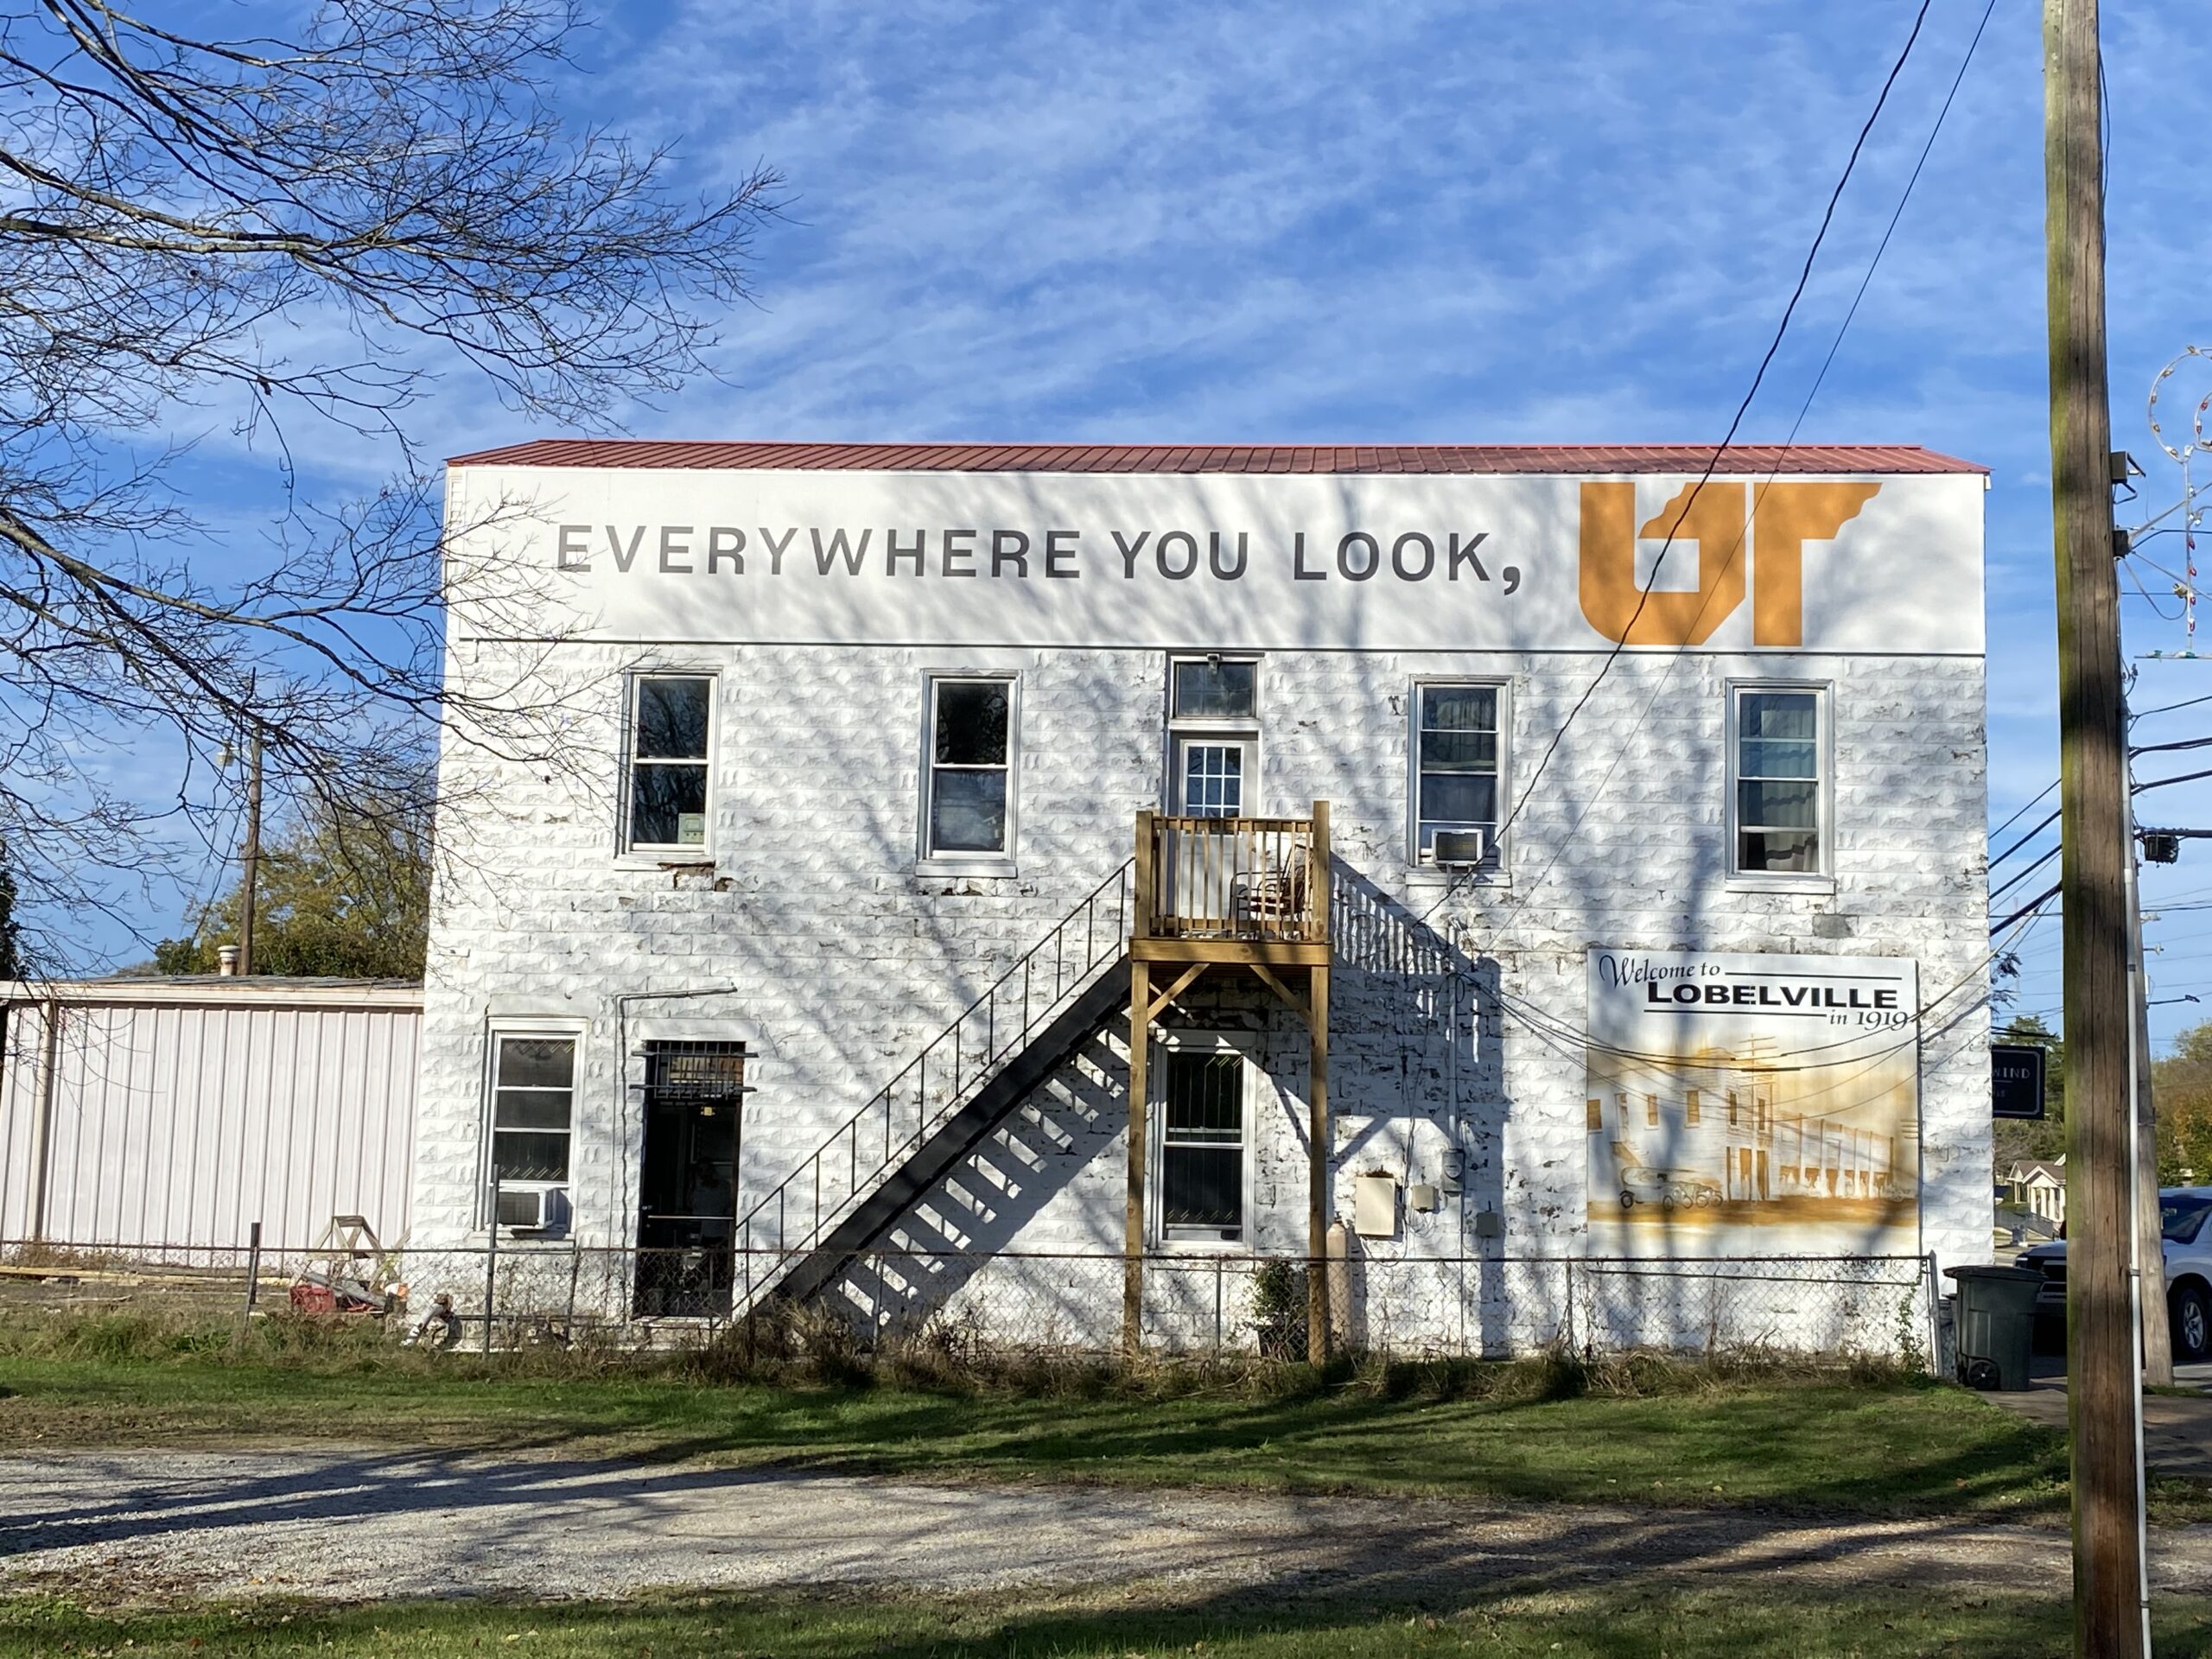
(1214, 1305)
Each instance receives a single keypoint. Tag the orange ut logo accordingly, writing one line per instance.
(1785, 517)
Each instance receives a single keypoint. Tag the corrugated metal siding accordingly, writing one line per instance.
(1333, 460)
(183, 1124)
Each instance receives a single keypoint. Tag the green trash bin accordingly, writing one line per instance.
(1996, 1324)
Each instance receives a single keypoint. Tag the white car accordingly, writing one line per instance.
(2185, 1213)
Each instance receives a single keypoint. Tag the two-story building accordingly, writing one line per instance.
(822, 821)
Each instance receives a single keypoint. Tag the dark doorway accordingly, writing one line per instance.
(687, 1224)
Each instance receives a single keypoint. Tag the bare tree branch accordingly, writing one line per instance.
(387, 180)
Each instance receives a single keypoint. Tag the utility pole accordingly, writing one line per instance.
(2104, 1383)
(250, 858)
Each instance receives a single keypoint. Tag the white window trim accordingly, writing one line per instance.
(1821, 880)
(1246, 730)
(659, 853)
(1244, 1044)
(1007, 861)
(1496, 873)
(495, 1032)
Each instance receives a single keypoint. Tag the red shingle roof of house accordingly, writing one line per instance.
(1333, 459)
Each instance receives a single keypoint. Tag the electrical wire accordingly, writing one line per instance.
(1759, 378)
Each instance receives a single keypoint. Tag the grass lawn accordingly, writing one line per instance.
(1645, 1621)
(1809, 1446)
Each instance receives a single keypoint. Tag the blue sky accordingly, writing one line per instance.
(1561, 223)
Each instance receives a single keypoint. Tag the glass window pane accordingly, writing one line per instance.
(1778, 850)
(968, 812)
(1459, 750)
(537, 1063)
(1206, 1097)
(971, 722)
(1201, 1186)
(1779, 713)
(672, 718)
(1216, 692)
(1778, 757)
(530, 1108)
(1459, 707)
(1213, 779)
(526, 1156)
(1779, 806)
(1458, 797)
(668, 805)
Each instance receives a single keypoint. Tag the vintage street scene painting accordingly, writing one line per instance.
(1733, 1096)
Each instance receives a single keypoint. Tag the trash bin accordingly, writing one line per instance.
(1996, 1324)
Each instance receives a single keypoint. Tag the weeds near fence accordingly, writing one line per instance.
(806, 1348)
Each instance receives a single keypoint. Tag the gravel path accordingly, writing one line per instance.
(365, 1524)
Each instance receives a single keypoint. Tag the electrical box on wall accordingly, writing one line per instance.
(1375, 1205)
(1421, 1197)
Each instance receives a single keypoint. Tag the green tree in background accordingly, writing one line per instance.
(343, 891)
(2182, 1085)
(11, 951)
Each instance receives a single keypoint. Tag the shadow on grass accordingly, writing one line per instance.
(1608, 1621)
(1810, 1447)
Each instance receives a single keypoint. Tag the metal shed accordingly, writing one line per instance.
(144, 1114)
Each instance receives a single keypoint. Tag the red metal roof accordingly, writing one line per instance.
(1323, 458)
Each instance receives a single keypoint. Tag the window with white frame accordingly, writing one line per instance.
(1778, 797)
(967, 784)
(1203, 1147)
(1458, 765)
(1213, 722)
(533, 1107)
(672, 722)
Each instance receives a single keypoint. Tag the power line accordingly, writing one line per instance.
(1759, 378)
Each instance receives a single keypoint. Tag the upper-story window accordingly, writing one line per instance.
(1213, 731)
(968, 805)
(1459, 770)
(1778, 805)
(672, 722)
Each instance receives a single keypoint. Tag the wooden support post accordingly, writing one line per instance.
(1320, 1153)
(1140, 1089)
(1318, 1170)
(2103, 1382)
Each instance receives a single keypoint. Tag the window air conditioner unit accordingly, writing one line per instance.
(525, 1209)
(1458, 849)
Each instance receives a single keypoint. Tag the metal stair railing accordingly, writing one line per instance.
(799, 1213)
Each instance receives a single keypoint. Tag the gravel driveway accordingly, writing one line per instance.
(365, 1524)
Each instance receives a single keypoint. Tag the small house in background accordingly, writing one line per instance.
(2039, 1188)
(163, 1117)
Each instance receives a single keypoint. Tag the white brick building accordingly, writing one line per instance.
(847, 731)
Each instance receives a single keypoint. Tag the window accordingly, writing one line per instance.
(968, 805)
(533, 1104)
(1779, 801)
(1734, 1109)
(1211, 688)
(1457, 781)
(1202, 1144)
(1651, 1111)
(1692, 1108)
(671, 719)
(1213, 718)
(1594, 1113)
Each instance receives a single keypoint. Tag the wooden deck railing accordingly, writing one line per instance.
(1246, 879)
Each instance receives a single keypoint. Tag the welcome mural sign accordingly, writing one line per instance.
(1752, 1104)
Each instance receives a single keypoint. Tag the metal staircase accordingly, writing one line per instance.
(873, 1168)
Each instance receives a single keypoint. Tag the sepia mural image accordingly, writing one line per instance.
(1752, 1104)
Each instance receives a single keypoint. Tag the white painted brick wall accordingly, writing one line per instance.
(836, 963)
